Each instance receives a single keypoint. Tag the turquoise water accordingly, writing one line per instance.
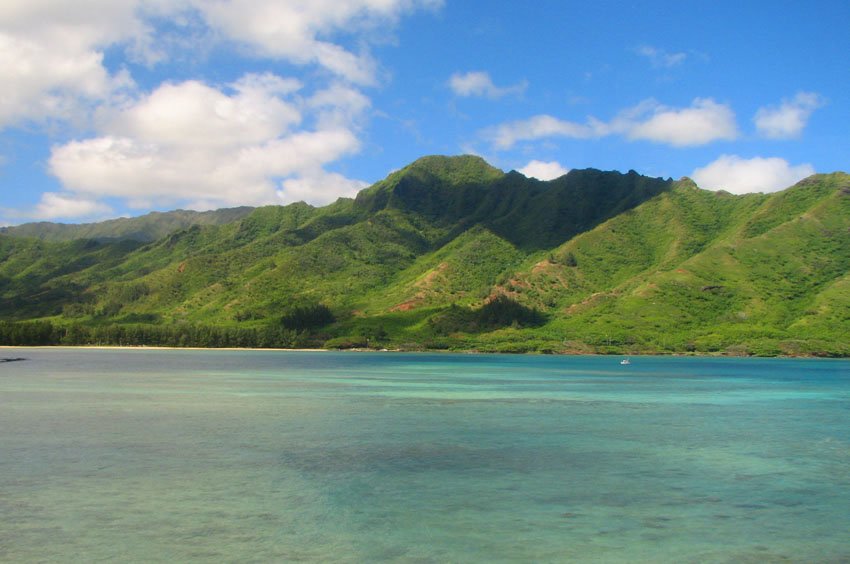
(256, 456)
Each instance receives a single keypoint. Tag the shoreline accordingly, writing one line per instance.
(385, 350)
(153, 348)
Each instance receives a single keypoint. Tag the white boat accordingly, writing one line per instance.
(625, 361)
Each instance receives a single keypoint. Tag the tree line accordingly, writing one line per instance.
(43, 333)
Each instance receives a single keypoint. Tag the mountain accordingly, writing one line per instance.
(146, 228)
(450, 252)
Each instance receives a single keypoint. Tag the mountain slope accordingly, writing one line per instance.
(451, 252)
(735, 282)
(39, 279)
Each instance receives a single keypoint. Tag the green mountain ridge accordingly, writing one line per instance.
(148, 227)
(450, 252)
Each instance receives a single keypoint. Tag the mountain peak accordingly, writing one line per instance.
(686, 183)
(454, 170)
(431, 178)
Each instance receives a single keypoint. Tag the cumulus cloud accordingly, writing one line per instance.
(292, 29)
(739, 176)
(787, 120)
(197, 115)
(703, 122)
(52, 54)
(329, 185)
(338, 105)
(660, 58)
(195, 145)
(479, 83)
(507, 135)
(263, 139)
(53, 205)
(544, 170)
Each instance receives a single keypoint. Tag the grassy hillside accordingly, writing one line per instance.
(450, 252)
(39, 279)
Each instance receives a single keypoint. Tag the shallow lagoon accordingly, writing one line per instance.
(133, 455)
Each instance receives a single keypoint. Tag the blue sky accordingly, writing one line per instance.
(119, 108)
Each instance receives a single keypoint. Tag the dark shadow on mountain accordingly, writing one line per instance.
(531, 214)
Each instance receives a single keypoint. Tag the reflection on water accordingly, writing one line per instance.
(325, 457)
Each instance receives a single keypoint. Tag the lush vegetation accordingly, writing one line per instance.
(40, 333)
(451, 253)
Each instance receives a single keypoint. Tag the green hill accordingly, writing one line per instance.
(450, 252)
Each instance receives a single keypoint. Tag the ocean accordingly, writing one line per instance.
(271, 456)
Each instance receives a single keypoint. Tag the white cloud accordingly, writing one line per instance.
(195, 145)
(82, 25)
(255, 141)
(338, 105)
(507, 135)
(55, 205)
(660, 58)
(329, 185)
(703, 122)
(739, 176)
(292, 29)
(52, 53)
(543, 170)
(479, 83)
(197, 115)
(41, 83)
(788, 119)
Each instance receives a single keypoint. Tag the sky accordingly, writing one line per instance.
(114, 109)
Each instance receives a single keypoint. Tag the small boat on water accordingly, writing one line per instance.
(625, 361)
